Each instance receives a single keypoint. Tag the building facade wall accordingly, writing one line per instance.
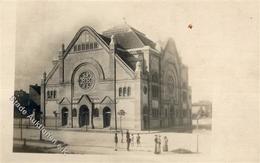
(151, 93)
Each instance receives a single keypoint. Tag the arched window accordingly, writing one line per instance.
(51, 94)
(155, 77)
(54, 94)
(124, 91)
(170, 86)
(48, 94)
(155, 91)
(83, 46)
(120, 91)
(79, 47)
(87, 46)
(128, 91)
(91, 45)
(75, 48)
(95, 45)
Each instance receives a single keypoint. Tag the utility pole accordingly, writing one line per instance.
(197, 143)
(112, 48)
(198, 117)
(115, 90)
(121, 113)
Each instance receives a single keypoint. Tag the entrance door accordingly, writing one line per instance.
(83, 116)
(106, 117)
(64, 116)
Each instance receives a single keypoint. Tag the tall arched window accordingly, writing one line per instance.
(75, 48)
(155, 77)
(87, 46)
(48, 94)
(124, 91)
(129, 91)
(120, 91)
(95, 45)
(91, 45)
(83, 46)
(51, 94)
(79, 47)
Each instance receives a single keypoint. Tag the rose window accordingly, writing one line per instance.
(86, 80)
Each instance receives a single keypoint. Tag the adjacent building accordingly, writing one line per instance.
(203, 107)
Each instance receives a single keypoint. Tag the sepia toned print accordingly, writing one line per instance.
(134, 81)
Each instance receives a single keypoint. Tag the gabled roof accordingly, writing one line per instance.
(104, 40)
(64, 100)
(170, 47)
(128, 37)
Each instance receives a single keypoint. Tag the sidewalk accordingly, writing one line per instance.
(108, 130)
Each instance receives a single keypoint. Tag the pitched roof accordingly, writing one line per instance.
(128, 37)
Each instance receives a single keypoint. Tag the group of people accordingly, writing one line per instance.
(157, 141)
(130, 139)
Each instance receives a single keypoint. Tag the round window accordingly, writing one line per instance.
(87, 80)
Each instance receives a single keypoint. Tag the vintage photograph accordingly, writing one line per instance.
(134, 78)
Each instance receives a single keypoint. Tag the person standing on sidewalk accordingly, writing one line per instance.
(138, 140)
(132, 140)
(155, 145)
(128, 140)
(165, 146)
(159, 145)
(116, 141)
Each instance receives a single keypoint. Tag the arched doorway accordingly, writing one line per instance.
(106, 117)
(64, 116)
(83, 116)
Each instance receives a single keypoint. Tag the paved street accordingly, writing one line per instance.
(82, 142)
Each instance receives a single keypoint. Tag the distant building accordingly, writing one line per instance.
(202, 107)
(151, 82)
(31, 101)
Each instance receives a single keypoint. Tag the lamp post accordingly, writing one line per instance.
(199, 115)
(112, 45)
(121, 113)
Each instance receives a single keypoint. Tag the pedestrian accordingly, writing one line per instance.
(138, 140)
(132, 140)
(122, 136)
(116, 141)
(155, 146)
(165, 146)
(159, 144)
(128, 140)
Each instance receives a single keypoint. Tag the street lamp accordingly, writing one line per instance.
(121, 113)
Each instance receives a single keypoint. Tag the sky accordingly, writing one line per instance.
(211, 49)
